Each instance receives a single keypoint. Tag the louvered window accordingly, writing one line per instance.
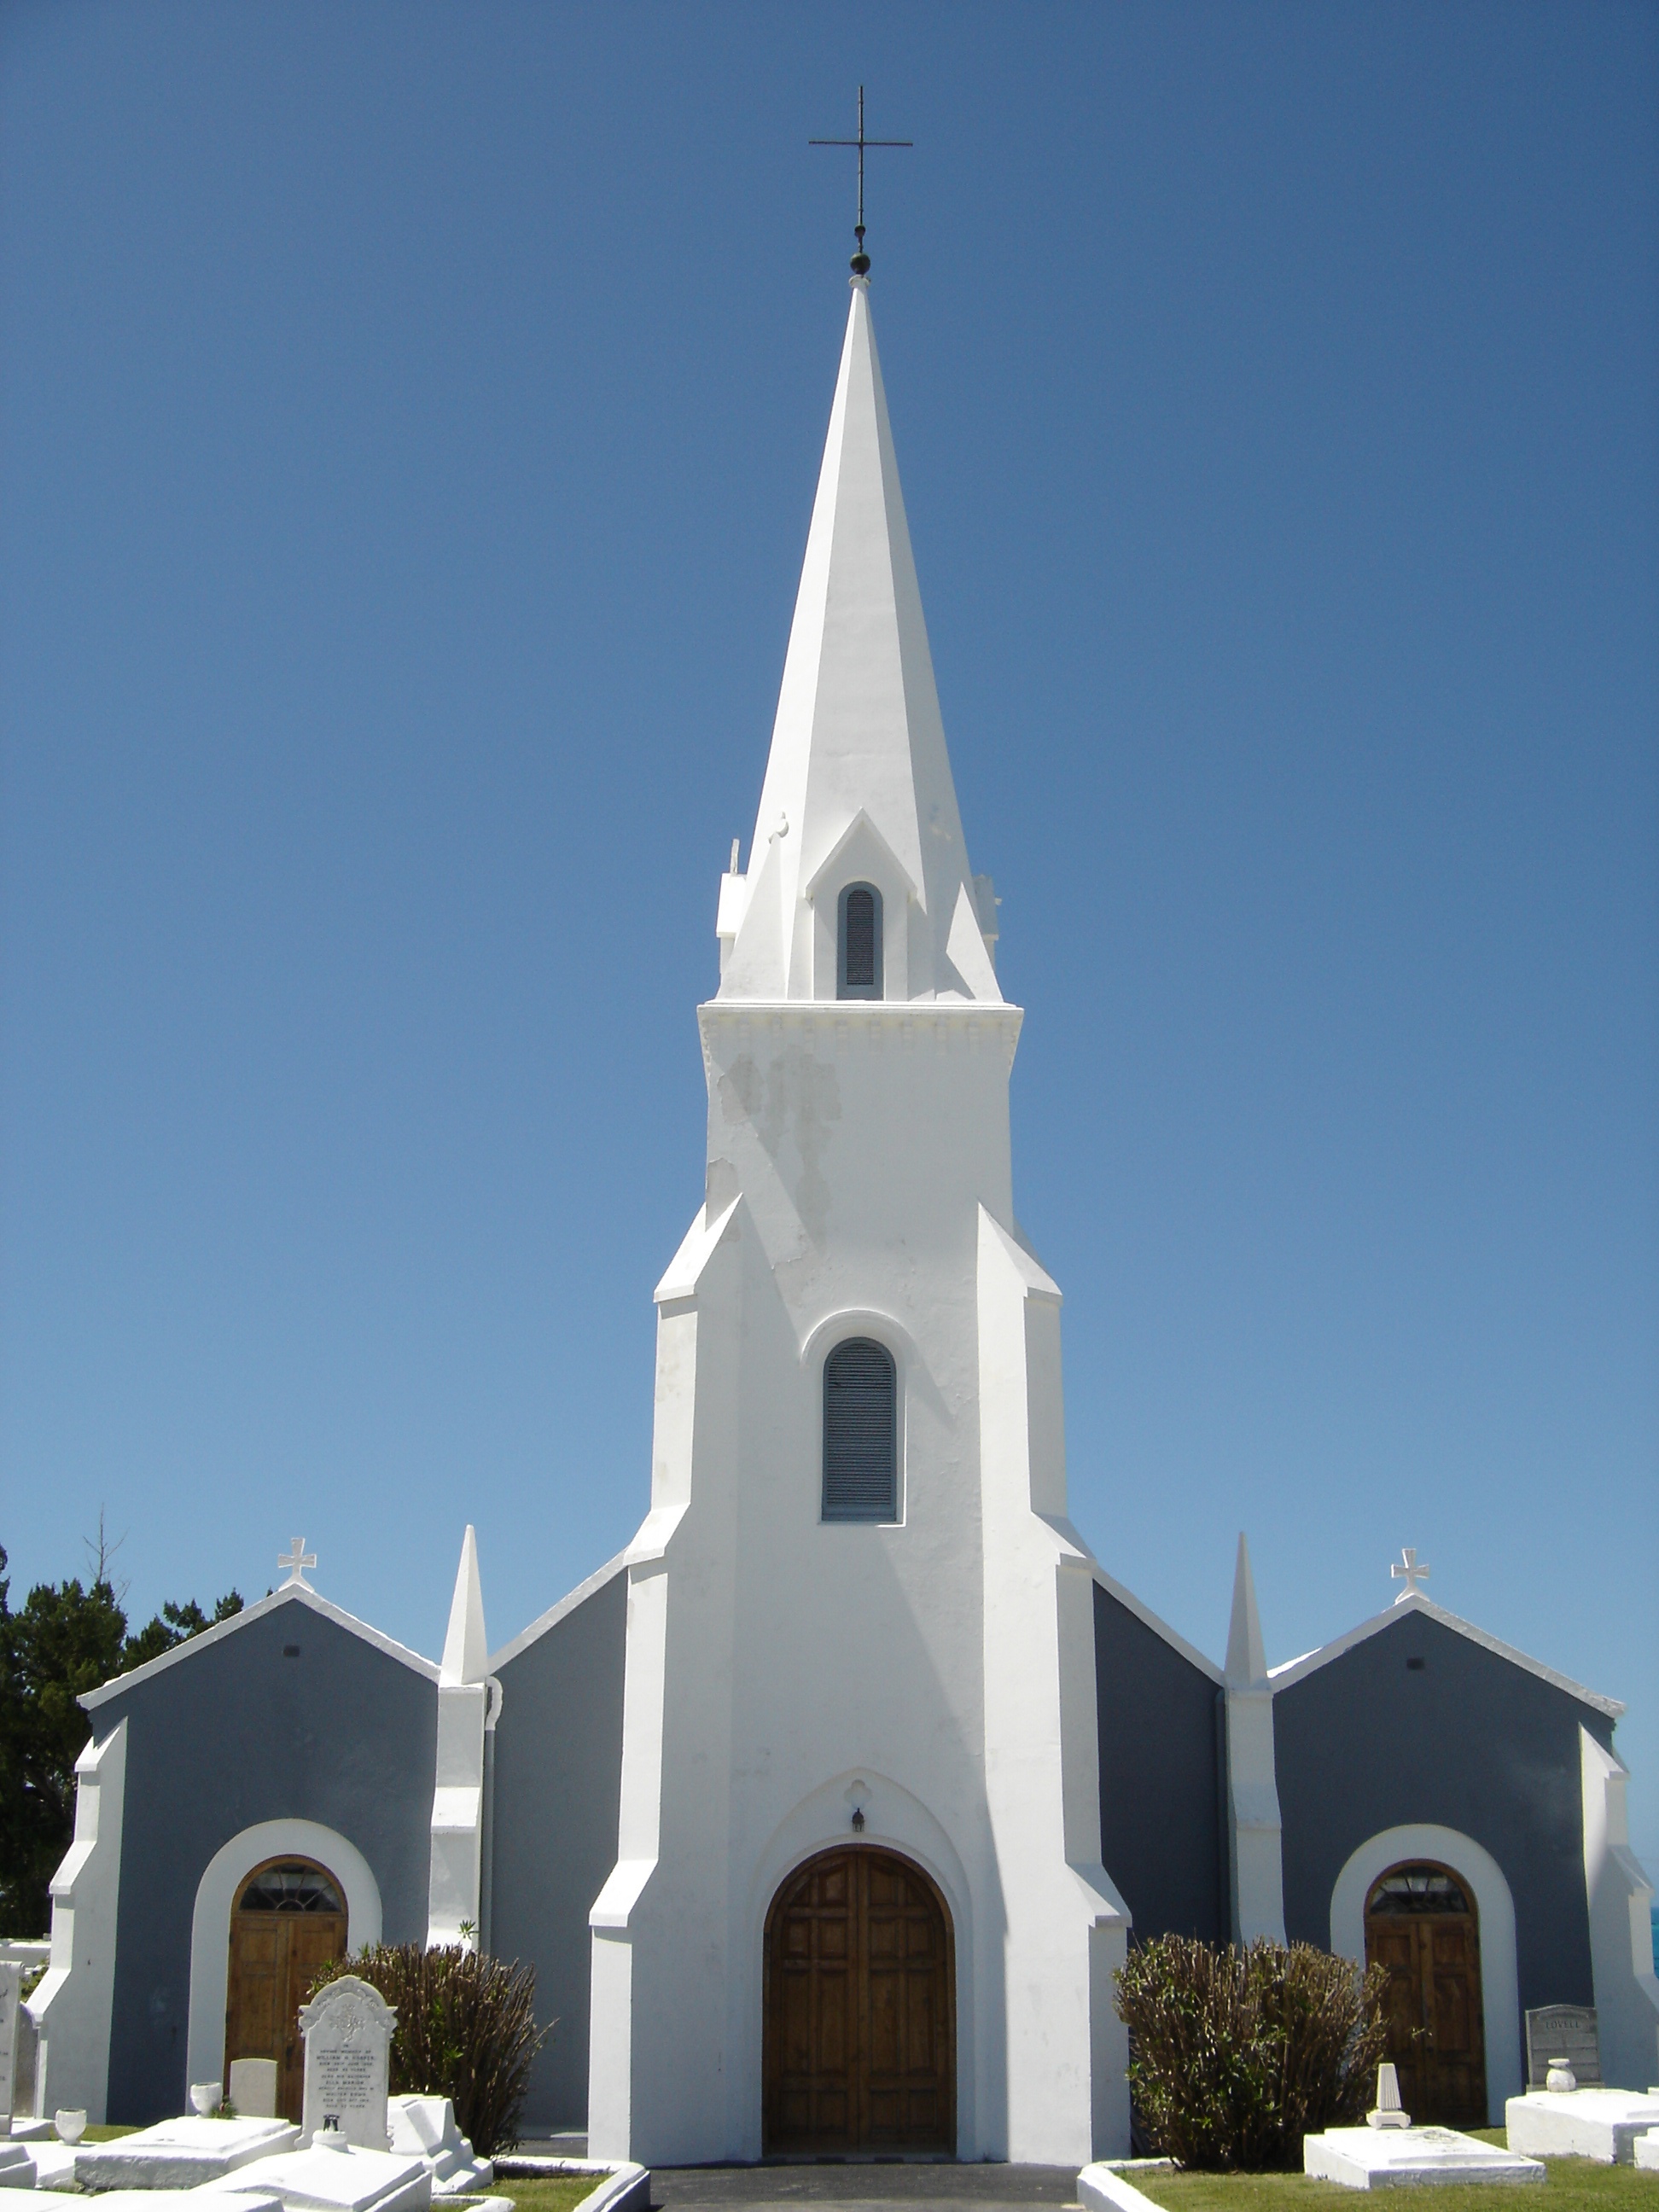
(860, 1432)
(859, 963)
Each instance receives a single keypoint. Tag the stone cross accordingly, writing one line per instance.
(296, 1563)
(348, 2031)
(1409, 1572)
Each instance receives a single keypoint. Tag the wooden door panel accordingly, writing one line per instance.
(1433, 2008)
(859, 2053)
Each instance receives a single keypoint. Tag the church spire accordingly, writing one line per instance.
(857, 784)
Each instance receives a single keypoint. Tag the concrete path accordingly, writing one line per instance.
(861, 2186)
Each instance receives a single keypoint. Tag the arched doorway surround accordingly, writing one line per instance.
(1484, 1882)
(215, 1895)
(1422, 1924)
(859, 2017)
(287, 1922)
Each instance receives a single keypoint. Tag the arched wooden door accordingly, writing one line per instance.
(1421, 1924)
(289, 1920)
(860, 2035)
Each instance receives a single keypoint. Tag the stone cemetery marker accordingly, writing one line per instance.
(253, 2088)
(348, 2031)
(1563, 2032)
(11, 1990)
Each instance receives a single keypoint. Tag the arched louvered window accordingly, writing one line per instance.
(860, 1432)
(857, 964)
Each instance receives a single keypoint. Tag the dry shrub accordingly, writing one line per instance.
(467, 2030)
(1235, 2055)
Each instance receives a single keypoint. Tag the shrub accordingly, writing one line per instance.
(1236, 2055)
(467, 2030)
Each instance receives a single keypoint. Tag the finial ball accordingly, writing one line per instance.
(861, 265)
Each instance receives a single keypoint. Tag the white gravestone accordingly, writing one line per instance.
(253, 2088)
(1382, 2158)
(348, 2031)
(424, 2127)
(180, 2153)
(1599, 2123)
(11, 1992)
(330, 2175)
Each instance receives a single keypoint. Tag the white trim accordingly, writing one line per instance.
(210, 1926)
(1500, 1986)
(290, 1593)
(1296, 1670)
(1148, 1618)
(556, 1614)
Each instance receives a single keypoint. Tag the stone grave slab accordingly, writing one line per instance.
(253, 2199)
(1599, 2123)
(1388, 2158)
(180, 2153)
(348, 2031)
(1646, 2149)
(16, 2166)
(329, 2175)
(425, 2127)
(54, 2164)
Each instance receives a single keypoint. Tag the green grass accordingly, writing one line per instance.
(1571, 2185)
(556, 2192)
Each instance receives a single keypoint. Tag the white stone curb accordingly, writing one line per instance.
(625, 2188)
(1104, 2189)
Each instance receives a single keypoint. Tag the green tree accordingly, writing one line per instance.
(65, 1640)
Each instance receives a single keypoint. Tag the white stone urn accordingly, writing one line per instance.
(71, 2125)
(1560, 2078)
(205, 2098)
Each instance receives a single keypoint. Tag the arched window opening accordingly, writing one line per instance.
(860, 1432)
(859, 960)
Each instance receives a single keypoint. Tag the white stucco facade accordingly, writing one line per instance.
(935, 1672)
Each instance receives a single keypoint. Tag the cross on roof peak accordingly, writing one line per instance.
(860, 260)
(1405, 1570)
(296, 1563)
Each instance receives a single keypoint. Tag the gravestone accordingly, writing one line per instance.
(1600, 2124)
(348, 2031)
(11, 1994)
(1384, 2158)
(1566, 2032)
(253, 2088)
(180, 2153)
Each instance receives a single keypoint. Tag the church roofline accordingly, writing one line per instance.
(301, 1594)
(556, 1614)
(1148, 1618)
(1297, 1670)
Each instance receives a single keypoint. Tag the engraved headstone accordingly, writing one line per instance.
(1563, 2032)
(11, 1991)
(348, 2030)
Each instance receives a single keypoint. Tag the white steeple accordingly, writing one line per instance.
(858, 783)
(1247, 1657)
(1255, 1844)
(466, 1649)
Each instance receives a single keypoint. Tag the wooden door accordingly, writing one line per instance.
(860, 2035)
(1421, 1925)
(288, 1922)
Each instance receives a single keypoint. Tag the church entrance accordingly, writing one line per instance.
(1421, 1925)
(859, 2032)
(288, 1922)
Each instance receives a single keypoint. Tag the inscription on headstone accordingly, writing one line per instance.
(11, 1990)
(348, 2032)
(1563, 2032)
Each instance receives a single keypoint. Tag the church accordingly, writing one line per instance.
(825, 1812)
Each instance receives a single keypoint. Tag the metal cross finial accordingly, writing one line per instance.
(297, 1563)
(1409, 1572)
(860, 260)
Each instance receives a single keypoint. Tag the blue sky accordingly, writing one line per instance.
(409, 419)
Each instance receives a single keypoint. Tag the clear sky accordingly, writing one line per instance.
(409, 420)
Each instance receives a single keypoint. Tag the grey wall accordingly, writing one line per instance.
(233, 1735)
(1161, 1837)
(1469, 1741)
(553, 1828)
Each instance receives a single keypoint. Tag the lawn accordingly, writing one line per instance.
(556, 2192)
(1571, 2185)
